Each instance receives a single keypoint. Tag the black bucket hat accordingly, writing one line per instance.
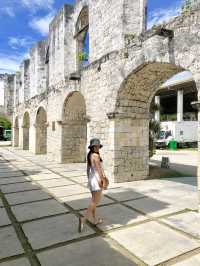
(94, 142)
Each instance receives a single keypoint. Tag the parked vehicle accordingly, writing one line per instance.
(185, 133)
(7, 134)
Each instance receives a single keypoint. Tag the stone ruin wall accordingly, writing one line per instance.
(8, 80)
(52, 62)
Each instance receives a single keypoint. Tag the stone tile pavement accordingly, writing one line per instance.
(152, 222)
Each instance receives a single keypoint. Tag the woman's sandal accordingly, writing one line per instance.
(80, 225)
(99, 221)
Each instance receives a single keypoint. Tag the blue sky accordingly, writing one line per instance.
(23, 22)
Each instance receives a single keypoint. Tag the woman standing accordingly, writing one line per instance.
(96, 182)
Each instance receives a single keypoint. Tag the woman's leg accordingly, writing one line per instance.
(96, 197)
(91, 208)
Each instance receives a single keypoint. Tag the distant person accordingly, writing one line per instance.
(97, 181)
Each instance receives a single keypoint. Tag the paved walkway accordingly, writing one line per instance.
(183, 161)
(5, 143)
(145, 223)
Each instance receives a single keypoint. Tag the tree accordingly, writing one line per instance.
(5, 122)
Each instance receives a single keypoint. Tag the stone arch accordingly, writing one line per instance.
(130, 120)
(142, 84)
(41, 131)
(74, 129)
(16, 132)
(82, 37)
(26, 126)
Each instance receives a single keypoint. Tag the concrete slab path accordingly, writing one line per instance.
(153, 222)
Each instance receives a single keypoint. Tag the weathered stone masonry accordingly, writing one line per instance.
(110, 97)
(7, 108)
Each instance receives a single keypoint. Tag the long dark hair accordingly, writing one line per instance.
(89, 156)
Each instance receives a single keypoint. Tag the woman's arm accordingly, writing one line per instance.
(97, 164)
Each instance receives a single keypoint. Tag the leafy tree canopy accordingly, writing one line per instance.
(5, 122)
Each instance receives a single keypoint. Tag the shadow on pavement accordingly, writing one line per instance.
(50, 222)
(187, 170)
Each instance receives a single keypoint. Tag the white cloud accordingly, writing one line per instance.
(8, 11)
(16, 43)
(41, 24)
(10, 63)
(38, 4)
(160, 15)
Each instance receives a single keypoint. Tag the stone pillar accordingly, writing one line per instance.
(180, 106)
(157, 113)
(15, 137)
(20, 134)
(198, 169)
(74, 139)
(54, 141)
(32, 136)
(130, 145)
(196, 105)
(41, 138)
(25, 138)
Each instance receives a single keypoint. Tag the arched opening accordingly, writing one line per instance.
(176, 114)
(82, 38)
(74, 129)
(26, 126)
(16, 132)
(175, 98)
(131, 120)
(41, 131)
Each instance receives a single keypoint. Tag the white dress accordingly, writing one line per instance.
(93, 178)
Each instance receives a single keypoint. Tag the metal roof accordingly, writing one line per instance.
(178, 79)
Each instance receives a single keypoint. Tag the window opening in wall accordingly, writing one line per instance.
(82, 38)
(84, 54)
(47, 67)
(47, 56)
